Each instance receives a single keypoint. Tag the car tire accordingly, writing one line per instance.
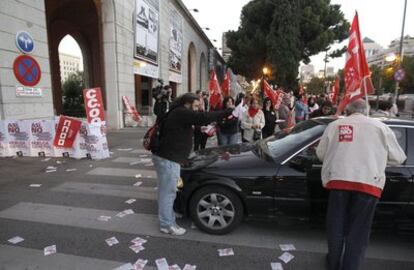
(216, 209)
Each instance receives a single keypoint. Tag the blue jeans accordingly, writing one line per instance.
(228, 139)
(349, 220)
(168, 173)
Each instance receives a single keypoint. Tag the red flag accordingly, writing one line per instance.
(225, 86)
(280, 95)
(215, 91)
(66, 132)
(357, 74)
(269, 92)
(302, 93)
(131, 109)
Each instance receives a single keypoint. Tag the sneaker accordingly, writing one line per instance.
(173, 230)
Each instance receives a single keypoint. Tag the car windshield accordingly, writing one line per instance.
(286, 140)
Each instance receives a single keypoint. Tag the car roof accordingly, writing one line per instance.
(325, 120)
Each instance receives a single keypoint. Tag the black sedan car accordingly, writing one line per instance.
(280, 175)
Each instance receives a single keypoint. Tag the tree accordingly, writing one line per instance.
(281, 34)
(407, 85)
(73, 104)
(315, 86)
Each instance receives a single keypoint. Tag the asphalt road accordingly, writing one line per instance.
(64, 212)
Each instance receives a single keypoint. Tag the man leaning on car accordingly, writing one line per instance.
(355, 151)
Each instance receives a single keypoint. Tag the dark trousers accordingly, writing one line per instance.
(349, 221)
(200, 139)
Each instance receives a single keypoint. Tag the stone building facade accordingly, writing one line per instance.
(105, 32)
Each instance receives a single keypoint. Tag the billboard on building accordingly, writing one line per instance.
(176, 40)
(146, 30)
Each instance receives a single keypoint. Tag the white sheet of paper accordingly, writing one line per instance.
(138, 241)
(174, 267)
(161, 264)
(189, 267)
(276, 266)
(71, 170)
(140, 264)
(136, 248)
(112, 241)
(138, 175)
(124, 149)
(287, 247)
(104, 218)
(15, 240)
(35, 185)
(137, 184)
(226, 252)
(286, 257)
(130, 201)
(49, 250)
(127, 266)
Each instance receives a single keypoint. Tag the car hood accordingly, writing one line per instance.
(239, 160)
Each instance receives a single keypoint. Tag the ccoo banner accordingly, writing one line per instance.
(94, 105)
(66, 132)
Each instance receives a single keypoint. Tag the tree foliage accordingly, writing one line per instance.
(281, 34)
(73, 104)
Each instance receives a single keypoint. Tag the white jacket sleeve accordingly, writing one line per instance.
(262, 120)
(323, 145)
(396, 155)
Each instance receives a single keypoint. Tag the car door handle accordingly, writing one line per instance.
(394, 180)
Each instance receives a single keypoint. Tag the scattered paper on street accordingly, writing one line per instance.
(130, 201)
(276, 266)
(135, 163)
(127, 266)
(124, 149)
(71, 170)
(149, 164)
(15, 240)
(286, 257)
(226, 252)
(287, 247)
(46, 159)
(104, 218)
(161, 264)
(189, 267)
(143, 156)
(58, 162)
(125, 213)
(136, 248)
(137, 184)
(35, 185)
(50, 169)
(138, 175)
(90, 165)
(140, 264)
(49, 250)
(138, 241)
(112, 241)
(174, 267)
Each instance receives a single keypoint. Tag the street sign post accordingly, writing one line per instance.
(399, 75)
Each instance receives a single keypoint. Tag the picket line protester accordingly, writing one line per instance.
(35, 138)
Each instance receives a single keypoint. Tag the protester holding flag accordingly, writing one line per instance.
(285, 112)
(355, 151)
(270, 118)
(228, 126)
(174, 148)
(252, 122)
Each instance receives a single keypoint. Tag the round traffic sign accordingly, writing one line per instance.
(24, 42)
(399, 75)
(27, 70)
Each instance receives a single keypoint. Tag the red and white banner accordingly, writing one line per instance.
(66, 132)
(215, 92)
(333, 95)
(225, 86)
(93, 105)
(357, 74)
(269, 92)
(280, 95)
(131, 109)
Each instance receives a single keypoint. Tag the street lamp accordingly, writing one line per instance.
(265, 71)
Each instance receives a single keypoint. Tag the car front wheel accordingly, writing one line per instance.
(216, 210)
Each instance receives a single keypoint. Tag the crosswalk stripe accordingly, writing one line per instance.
(132, 159)
(146, 193)
(120, 172)
(17, 258)
(144, 224)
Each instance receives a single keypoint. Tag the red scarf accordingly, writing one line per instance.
(253, 111)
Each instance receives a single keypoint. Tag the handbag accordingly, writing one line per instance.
(257, 134)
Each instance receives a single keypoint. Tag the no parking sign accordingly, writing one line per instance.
(27, 70)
